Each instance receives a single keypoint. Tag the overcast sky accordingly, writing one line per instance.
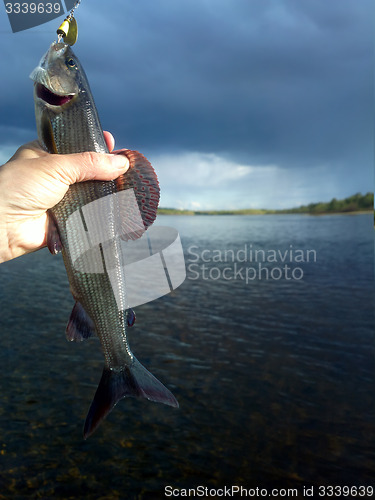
(237, 103)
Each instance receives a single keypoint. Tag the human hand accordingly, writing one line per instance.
(33, 181)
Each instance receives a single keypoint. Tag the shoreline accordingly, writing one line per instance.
(356, 204)
(171, 211)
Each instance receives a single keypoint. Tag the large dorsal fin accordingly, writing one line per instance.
(140, 177)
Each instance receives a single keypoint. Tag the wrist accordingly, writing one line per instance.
(5, 247)
(5, 253)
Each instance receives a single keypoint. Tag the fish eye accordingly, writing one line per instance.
(71, 63)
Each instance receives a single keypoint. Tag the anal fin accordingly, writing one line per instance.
(80, 326)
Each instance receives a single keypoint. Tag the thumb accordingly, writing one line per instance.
(87, 166)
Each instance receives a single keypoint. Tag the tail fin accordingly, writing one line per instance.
(133, 380)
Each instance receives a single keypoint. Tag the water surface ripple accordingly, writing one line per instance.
(274, 377)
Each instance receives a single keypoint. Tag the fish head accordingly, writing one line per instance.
(59, 78)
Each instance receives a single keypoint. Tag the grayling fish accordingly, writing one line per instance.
(68, 122)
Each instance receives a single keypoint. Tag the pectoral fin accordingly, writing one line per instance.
(53, 238)
(130, 317)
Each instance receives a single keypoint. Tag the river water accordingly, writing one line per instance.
(268, 346)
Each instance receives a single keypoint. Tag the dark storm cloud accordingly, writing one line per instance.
(271, 79)
(285, 82)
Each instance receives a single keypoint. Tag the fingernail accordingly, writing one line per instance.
(119, 161)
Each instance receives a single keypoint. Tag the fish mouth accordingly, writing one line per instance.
(50, 97)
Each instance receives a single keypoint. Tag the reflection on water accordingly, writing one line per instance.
(274, 376)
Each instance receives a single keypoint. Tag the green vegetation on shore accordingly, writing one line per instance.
(355, 203)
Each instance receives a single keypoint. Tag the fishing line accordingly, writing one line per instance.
(71, 14)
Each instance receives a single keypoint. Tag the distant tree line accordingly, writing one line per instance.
(356, 203)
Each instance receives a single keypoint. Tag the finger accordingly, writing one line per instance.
(87, 166)
(109, 139)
